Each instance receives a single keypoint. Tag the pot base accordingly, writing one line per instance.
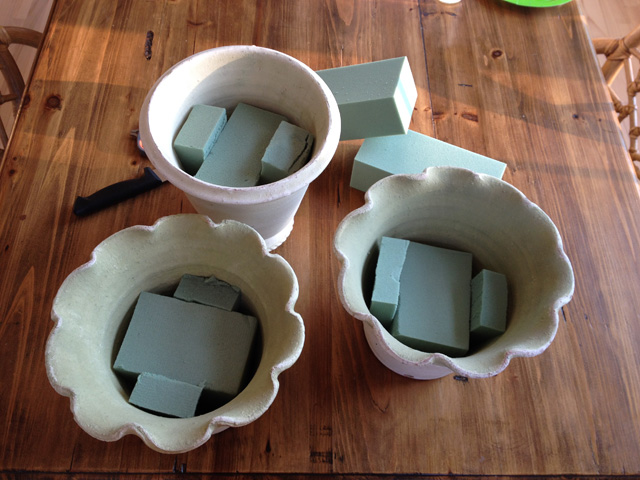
(278, 239)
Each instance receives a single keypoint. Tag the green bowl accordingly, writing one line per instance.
(538, 3)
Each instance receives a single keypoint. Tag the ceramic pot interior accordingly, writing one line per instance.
(229, 75)
(503, 233)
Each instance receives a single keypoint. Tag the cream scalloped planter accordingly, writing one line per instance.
(459, 209)
(95, 300)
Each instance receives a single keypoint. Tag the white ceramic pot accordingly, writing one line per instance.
(95, 301)
(456, 208)
(224, 77)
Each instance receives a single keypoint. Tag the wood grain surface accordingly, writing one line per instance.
(519, 85)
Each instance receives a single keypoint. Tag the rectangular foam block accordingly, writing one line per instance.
(435, 297)
(374, 99)
(188, 342)
(412, 153)
(164, 395)
(386, 287)
(208, 291)
(198, 134)
(287, 152)
(488, 304)
(235, 159)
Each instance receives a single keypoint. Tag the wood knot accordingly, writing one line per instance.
(54, 102)
(472, 117)
(148, 44)
(497, 53)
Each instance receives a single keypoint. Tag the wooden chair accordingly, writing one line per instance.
(619, 54)
(10, 71)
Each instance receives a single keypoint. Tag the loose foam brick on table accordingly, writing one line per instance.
(412, 153)
(161, 394)
(198, 134)
(286, 153)
(374, 98)
(434, 306)
(386, 287)
(235, 159)
(189, 342)
(488, 304)
(208, 291)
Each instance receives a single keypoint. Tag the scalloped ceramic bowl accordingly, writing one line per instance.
(456, 208)
(92, 304)
(224, 77)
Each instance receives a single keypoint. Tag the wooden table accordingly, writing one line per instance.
(519, 85)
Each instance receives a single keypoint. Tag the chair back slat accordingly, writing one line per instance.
(619, 53)
(10, 70)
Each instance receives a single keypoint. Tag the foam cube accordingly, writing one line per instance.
(386, 287)
(188, 342)
(208, 291)
(164, 395)
(488, 304)
(198, 134)
(374, 99)
(434, 306)
(287, 152)
(235, 159)
(412, 153)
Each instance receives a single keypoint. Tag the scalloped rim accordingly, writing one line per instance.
(430, 360)
(115, 430)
